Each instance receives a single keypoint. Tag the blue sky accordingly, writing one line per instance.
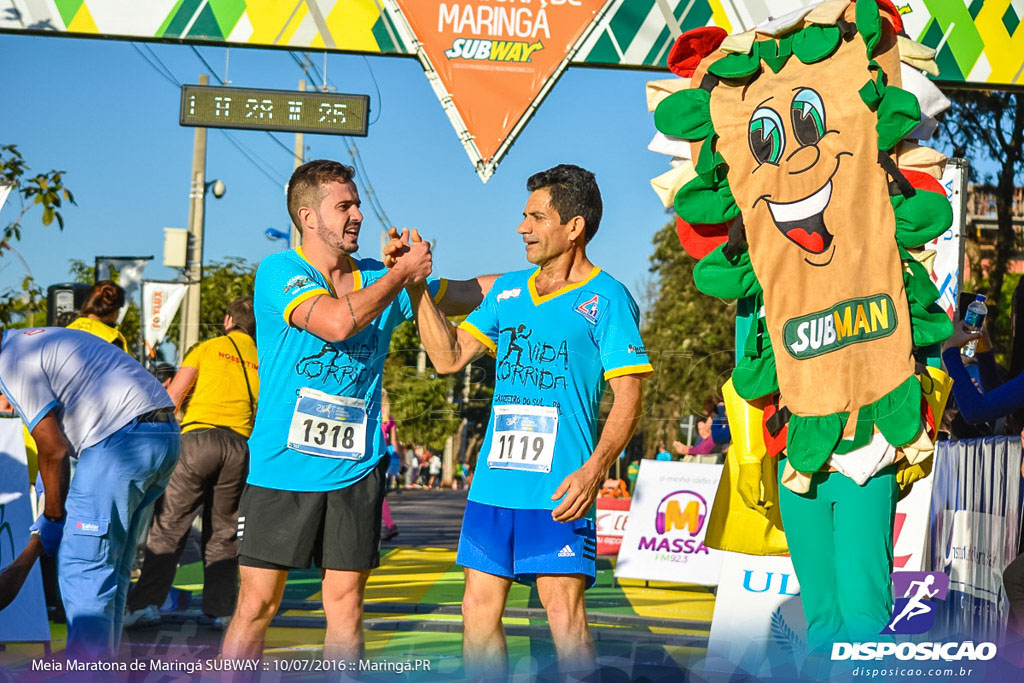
(97, 110)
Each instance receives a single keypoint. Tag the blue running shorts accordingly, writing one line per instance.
(520, 544)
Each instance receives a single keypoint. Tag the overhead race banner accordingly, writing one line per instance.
(491, 62)
(978, 42)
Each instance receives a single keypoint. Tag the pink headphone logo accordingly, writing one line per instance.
(681, 510)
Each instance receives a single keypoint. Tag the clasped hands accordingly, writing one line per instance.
(409, 255)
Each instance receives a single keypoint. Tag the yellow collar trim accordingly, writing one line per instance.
(357, 275)
(538, 299)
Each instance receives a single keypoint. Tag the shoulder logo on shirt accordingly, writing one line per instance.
(29, 333)
(639, 350)
(589, 306)
(297, 282)
(509, 294)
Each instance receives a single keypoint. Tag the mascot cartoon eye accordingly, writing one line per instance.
(767, 136)
(808, 114)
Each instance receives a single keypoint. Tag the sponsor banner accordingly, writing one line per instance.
(491, 61)
(976, 520)
(25, 619)
(664, 540)
(612, 514)
(977, 42)
(758, 626)
(160, 303)
(351, 25)
(910, 529)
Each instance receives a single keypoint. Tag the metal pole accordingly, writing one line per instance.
(300, 156)
(189, 333)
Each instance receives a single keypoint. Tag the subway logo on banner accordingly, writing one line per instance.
(493, 50)
(846, 323)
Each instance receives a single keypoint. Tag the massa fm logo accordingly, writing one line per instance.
(846, 323)
(678, 519)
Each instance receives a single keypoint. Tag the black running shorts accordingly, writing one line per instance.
(294, 529)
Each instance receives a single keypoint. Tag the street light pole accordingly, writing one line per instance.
(189, 329)
(300, 156)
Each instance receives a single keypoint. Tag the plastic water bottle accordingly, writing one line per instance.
(974, 319)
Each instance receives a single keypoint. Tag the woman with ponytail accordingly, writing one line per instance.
(99, 313)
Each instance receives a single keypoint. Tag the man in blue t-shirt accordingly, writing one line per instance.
(559, 334)
(317, 469)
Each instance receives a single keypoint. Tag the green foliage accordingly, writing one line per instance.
(26, 307)
(419, 402)
(690, 338)
(988, 129)
(45, 189)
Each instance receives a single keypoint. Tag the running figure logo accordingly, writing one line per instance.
(914, 610)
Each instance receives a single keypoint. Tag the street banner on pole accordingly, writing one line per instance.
(160, 303)
(129, 270)
(664, 540)
(491, 63)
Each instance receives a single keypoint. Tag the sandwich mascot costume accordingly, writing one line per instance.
(798, 190)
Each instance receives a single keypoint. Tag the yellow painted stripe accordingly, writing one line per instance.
(538, 299)
(306, 296)
(480, 336)
(642, 369)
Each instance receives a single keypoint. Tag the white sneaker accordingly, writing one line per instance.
(142, 618)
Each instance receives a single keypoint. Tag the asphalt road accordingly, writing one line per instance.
(426, 519)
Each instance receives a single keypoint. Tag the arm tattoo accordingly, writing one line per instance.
(355, 323)
(309, 311)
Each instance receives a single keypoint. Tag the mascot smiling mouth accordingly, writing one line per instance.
(803, 221)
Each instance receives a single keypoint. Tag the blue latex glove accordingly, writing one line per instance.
(50, 533)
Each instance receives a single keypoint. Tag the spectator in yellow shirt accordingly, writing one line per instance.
(219, 380)
(99, 313)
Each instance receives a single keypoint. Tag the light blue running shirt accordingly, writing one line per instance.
(554, 355)
(293, 360)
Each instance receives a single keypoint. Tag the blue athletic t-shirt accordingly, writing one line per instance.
(292, 359)
(557, 351)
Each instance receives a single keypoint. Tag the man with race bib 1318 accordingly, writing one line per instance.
(560, 333)
(317, 469)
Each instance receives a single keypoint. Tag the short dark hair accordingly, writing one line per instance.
(242, 315)
(574, 192)
(104, 299)
(164, 372)
(304, 186)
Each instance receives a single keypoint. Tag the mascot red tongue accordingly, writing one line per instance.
(811, 241)
(793, 129)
